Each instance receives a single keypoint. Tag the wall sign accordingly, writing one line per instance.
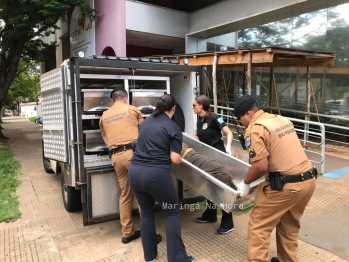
(82, 33)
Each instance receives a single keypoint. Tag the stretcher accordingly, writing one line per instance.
(211, 188)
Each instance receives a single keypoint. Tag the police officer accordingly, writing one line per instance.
(275, 152)
(119, 127)
(209, 131)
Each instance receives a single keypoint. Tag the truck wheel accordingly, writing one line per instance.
(178, 117)
(71, 197)
(46, 163)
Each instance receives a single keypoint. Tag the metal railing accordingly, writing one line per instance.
(339, 131)
(317, 134)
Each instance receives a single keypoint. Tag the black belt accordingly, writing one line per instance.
(120, 149)
(297, 178)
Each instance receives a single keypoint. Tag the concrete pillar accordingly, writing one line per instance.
(111, 26)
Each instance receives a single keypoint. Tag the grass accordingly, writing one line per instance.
(32, 118)
(202, 208)
(9, 170)
(246, 209)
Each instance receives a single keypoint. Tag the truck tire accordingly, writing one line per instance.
(46, 163)
(178, 117)
(71, 197)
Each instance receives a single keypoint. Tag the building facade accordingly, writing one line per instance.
(162, 27)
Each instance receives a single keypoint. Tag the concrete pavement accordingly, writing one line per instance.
(46, 232)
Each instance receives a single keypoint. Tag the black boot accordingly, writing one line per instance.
(158, 238)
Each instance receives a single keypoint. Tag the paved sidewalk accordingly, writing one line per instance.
(46, 232)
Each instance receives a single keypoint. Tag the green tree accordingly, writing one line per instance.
(26, 84)
(337, 39)
(277, 33)
(23, 25)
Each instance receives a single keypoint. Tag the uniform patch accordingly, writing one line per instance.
(248, 140)
(251, 153)
(204, 126)
(220, 120)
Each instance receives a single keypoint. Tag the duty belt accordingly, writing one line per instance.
(296, 178)
(120, 149)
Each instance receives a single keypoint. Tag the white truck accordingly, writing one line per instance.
(73, 99)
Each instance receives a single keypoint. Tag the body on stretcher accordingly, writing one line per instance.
(208, 186)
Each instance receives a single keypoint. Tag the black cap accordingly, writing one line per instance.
(243, 104)
(116, 89)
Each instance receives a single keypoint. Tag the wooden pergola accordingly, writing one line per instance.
(259, 57)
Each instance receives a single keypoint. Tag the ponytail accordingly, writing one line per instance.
(206, 106)
(164, 104)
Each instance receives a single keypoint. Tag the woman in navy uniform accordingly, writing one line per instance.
(159, 144)
(209, 131)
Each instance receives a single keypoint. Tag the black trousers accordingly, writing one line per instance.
(211, 215)
(150, 184)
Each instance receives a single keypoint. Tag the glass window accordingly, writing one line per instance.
(250, 38)
(277, 33)
(338, 33)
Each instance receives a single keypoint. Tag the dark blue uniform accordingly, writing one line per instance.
(209, 131)
(150, 179)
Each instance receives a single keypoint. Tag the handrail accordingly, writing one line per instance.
(322, 142)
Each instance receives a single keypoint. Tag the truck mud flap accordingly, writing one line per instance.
(219, 193)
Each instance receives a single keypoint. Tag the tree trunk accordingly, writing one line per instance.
(2, 137)
(1, 112)
(8, 69)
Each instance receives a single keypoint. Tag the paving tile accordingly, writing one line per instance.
(46, 232)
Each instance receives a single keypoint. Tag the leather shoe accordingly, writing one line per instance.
(158, 238)
(204, 220)
(126, 240)
(189, 259)
(224, 230)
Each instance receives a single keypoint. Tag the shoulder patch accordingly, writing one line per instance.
(251, 153)
(248, 140)
(220, 120)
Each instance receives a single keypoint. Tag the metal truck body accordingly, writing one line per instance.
(73, 99)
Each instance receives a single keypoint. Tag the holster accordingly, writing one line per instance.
(242, 141)
(315, 171)
(276, 181)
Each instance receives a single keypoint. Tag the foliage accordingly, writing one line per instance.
(274, 34)
(246, 209)
(9, 169)
(25, 85)
(32, 119)
(330, 34)
(24, 23)
(203, 206)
